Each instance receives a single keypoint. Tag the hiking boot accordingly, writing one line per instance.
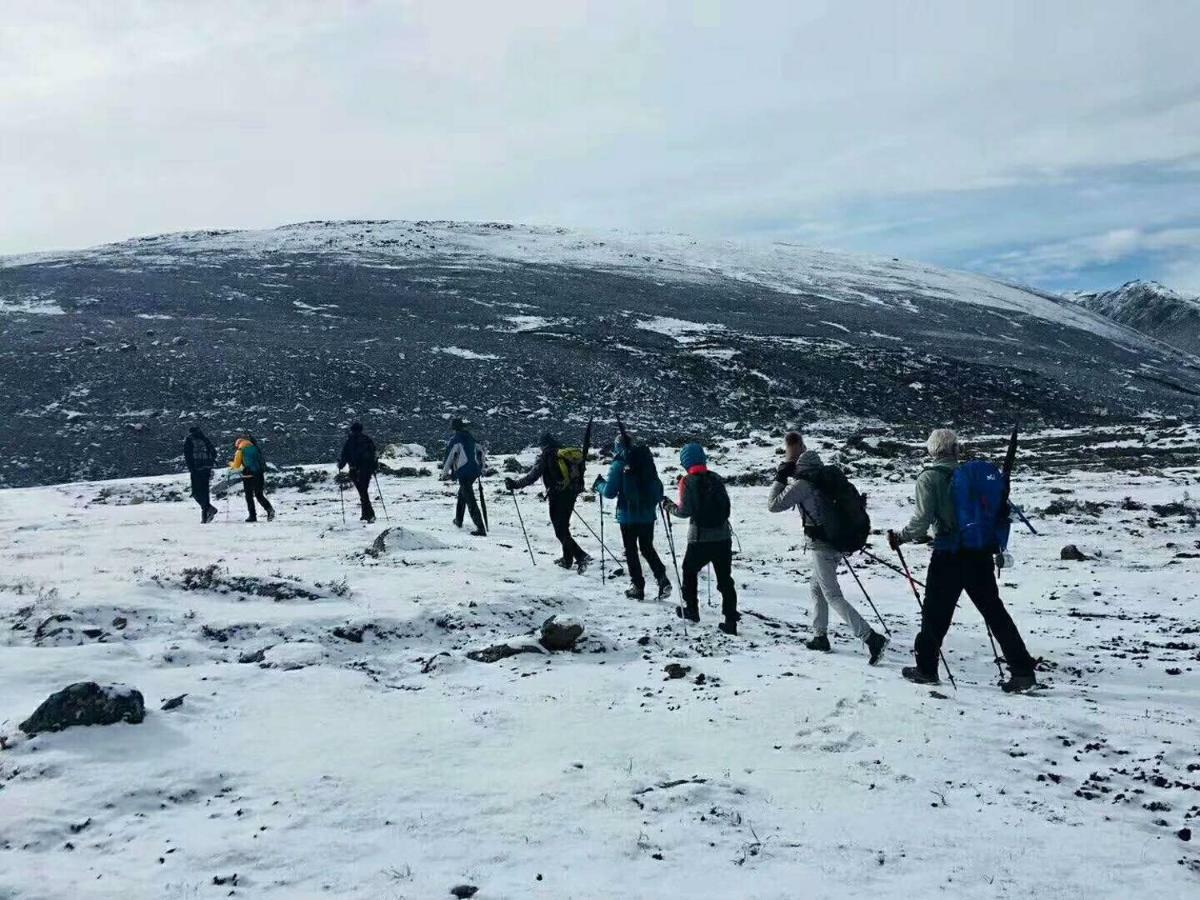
(876, 643)
(664, 589)
(1019, 684)
(252, 518)
(916, 676)
(270, 515)
(478, 532)
(691, 613)
(583, 564)
(636, 593)
(820, 643)
(729, 626)
(564, 563)
(458, 523)
(209, 515)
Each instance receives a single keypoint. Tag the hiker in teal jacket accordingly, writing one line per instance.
(634, 483)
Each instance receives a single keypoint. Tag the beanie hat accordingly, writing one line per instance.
(457, 424)
(547, 440)
(692, 455)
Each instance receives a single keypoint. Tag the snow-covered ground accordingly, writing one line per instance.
(363, 755)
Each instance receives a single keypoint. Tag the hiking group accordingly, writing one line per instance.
(965, 504)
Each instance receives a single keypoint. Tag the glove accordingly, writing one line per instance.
(598, 484)
(668, 504)
(510, 484)
(894, 540)
(785, 471)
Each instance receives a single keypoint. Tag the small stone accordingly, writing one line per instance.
(1073, 554)
(173, 703)
(1184, 834)
(675, 670)
(464, 891)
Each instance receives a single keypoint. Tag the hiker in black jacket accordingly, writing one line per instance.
(561, 494)
(201, 456)
(360, 455)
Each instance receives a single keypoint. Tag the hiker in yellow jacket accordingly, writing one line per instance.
(248, 460)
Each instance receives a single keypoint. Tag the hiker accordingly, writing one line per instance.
(803, 493)
(200, 456)
(360, 455)
(634, 483)
(464, 461)
(250, 462)
(954, 568)
(704, 500)
(561, 472)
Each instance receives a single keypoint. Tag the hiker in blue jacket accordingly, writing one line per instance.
(464, 461)
(634, 483)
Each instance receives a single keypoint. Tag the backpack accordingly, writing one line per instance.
(569, 469)
(252, 459)
(977, 491)
(641, 487)
(203, 456)
(711, 504)
(841, 510)
(366, 458)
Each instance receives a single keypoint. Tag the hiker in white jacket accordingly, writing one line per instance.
(801, 494)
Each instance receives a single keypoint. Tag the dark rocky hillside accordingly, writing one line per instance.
(109, 353)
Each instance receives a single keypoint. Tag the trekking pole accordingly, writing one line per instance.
(895, 568)
(521, 519)
(846, 560)
(603, 575)
(226, 496)
(589, 527)
(342, 495)
(913, 584)
(382, 502)
(675, 561)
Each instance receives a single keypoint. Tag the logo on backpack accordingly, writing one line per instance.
(841, 510)
(570, 469)
(977, 490)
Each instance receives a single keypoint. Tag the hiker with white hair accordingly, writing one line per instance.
(954, 568)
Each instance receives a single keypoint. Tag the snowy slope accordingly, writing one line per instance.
(110, 352)
(395, 767)
(1152, 309)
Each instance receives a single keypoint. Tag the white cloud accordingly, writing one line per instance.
(695, 116)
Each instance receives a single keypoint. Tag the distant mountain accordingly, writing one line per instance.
(107, 354)
(1152, 309)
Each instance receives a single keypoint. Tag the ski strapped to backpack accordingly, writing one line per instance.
(841, 510)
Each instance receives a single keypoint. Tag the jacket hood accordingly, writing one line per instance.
(692, 455)
(809, 459)
(242, 443)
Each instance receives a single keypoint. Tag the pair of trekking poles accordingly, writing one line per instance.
(379, 490)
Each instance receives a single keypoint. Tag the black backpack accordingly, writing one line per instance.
(640, 484)
(710, 502)
(203, 456)
(841, 510)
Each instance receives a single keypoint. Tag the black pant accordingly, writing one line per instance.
(253, 486)
(200, 483)
(562, 504)
(362, 483)
(641, 536)
(950, 573)
(468, 503)
(699, 555)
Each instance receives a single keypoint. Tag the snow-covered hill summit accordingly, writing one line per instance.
(294, 331)
(1152, 309)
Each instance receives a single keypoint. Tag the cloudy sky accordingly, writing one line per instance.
(1052, 143)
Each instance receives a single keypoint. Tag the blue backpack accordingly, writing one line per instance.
(977, 489)
(252, 460)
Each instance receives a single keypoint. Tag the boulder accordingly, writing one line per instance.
(86, 703)
(560, 634)
(1073, 553)
(498, 652)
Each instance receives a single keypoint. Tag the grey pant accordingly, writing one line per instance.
(826, 592)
